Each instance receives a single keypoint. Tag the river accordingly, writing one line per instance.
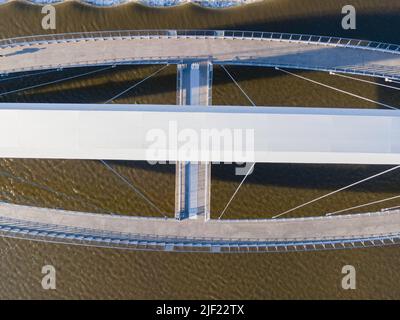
(272, 188)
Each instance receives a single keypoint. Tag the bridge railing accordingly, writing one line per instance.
(382, 73)
(58, 233)
(225, 34)
(14, 225)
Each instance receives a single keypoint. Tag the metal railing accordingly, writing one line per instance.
(318, 218)
(389, 73)
(116, 216)
(60, 233)
(220, 34)
(192, 244)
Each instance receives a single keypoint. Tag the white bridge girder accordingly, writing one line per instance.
(154, 133)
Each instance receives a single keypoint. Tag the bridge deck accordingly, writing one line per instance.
(247, 51)
(222, 134)
(193, 179)
(334, 227)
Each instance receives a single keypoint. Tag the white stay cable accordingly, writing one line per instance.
(363, 205)
(54, 81)
(121, 177)
(337, 89)
(237, 84)
(363, 80)
(336, 191)
(392, 81)
(135, 85)
(27, 75)
(236, 191)
(7, 174)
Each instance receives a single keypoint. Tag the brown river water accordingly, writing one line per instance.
(272, 188)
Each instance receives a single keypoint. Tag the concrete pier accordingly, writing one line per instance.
(193, 179)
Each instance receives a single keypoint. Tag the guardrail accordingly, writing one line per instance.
(15, 228)
(388, 73)
(176, 60)
(224, 34)
(116, 216)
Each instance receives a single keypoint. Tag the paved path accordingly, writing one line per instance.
(220, 50)
(335, 227)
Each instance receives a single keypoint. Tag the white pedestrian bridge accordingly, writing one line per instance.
(194, 133)
(297, 51)
(160, 132)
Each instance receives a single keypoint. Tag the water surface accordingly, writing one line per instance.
(272, 188)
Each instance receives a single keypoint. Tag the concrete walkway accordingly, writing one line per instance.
(320, 228)
(162, 49)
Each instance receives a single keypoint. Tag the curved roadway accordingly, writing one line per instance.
(358, 227)
(46, 52)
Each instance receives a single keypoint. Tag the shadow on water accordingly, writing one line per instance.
(321, 176)
(376, 20)
(265, 86)
(24, 51)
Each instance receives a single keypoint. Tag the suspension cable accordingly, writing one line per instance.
(337, 89)
(363, 80)
(7, 174)
(392, 81)
(391, 208)
(363, 205)
(55, 81)
(236, 191)
(125, 180)
(237, 84)
(135, 189)
(336, 191)
(9, 194)
(135, 85)
(27, 75)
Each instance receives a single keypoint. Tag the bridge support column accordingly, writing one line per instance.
(193, 179)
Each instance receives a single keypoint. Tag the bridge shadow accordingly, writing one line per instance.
(374, 21)
(297, 176)
(23, 51)
(377, 26)
(265, 86)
